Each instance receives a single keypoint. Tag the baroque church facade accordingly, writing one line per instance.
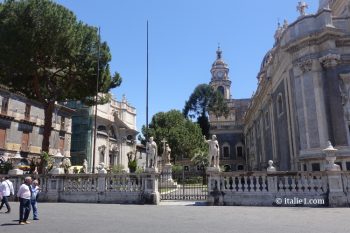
(302, 100)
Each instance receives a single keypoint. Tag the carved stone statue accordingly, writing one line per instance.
(101, 168)
(271, 168)
(85, 165)
(152, 152)
(214, 152)
(166, 154)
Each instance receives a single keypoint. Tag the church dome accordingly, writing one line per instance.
(267, 59)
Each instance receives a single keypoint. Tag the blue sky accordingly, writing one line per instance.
(183, 38)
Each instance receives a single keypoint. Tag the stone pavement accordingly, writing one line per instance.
(172, 218)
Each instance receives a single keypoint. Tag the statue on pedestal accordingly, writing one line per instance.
(271, 168)
(85, 165)
(166, 153)
(152, 152)
(214, 152)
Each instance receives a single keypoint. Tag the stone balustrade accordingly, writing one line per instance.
(93, 188)
(331, 188)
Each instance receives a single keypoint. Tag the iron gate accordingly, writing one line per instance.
(183, 186)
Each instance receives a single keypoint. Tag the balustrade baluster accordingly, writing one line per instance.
(239, 184)
(245, 183)
(263, 185)
(293, 185)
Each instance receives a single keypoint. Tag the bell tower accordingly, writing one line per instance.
(219, 76)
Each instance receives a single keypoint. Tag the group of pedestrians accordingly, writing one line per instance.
(27, 194)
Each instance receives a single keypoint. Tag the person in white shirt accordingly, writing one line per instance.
(6, 190)
(24, 193)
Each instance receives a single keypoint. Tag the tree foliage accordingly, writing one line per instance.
(48, 55)
(183, 136)
(203, 100)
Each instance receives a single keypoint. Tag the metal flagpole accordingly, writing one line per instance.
(95, 123)
(147, 98)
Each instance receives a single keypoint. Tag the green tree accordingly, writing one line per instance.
(183, 136)
(203, 100)
(48, 55)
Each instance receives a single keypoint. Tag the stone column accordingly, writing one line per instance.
(333, 100)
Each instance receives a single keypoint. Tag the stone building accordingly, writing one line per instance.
(116, 132)
(302, 99)
(22, 126)
(229, 130)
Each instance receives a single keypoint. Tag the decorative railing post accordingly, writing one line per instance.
(215, 194)
(271, 178)
(150, 186)
(336, 195)
(54, 187)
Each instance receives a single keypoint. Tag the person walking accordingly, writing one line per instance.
(6, 190)
(33, 201)
(24, 194)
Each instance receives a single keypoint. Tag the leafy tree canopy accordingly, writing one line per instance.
(183, 136)
(48, 55)
(203, 100)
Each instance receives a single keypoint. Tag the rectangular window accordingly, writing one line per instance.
(226, 151)
(2, 138)
(315, 167)
(27, 112)
(4, 105)
(304, 167)
(239, 151)
(25, 141)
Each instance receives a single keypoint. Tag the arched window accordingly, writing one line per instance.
(280, 104)
(221, 89)
(240, 167)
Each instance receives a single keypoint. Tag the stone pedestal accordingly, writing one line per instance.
(215, 195)
(151, 170)
(16, 162)
(166, 179)
(150, 182)
(15, 171)
(213, 169)
(57, 169)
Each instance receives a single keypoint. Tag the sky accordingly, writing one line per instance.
(183, 39)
